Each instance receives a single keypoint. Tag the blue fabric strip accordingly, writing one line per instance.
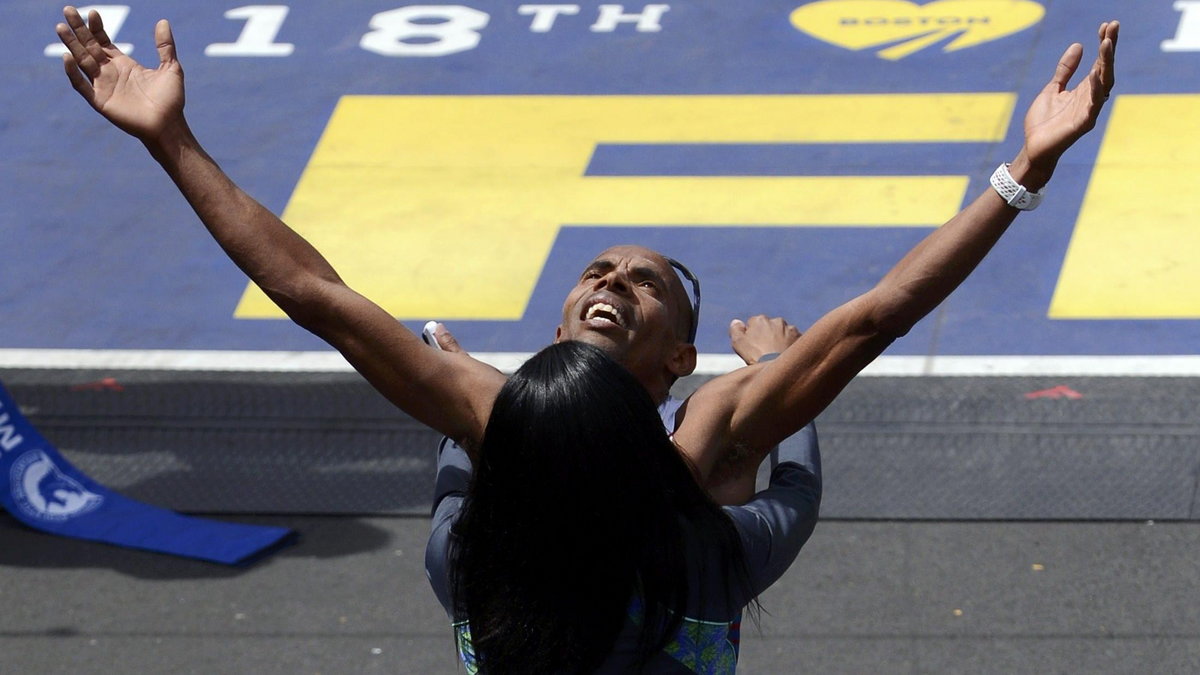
(41, 489)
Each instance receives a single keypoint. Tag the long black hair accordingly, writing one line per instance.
(579, 501)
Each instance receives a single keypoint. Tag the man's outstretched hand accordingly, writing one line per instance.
(139, 101)
(1059, 116)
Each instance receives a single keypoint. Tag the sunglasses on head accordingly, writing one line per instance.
(687, 274)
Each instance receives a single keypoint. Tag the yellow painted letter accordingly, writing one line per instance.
(447, 206)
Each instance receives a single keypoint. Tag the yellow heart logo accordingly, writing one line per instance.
(903, 27)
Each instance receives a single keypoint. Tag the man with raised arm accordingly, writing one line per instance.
(628, 300)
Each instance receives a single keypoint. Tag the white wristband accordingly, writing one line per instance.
(1013, 193)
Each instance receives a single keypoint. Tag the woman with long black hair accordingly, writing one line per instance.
(584, 542)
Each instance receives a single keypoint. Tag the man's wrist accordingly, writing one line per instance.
(168, 144)
(1015, 194)
(1033, 176)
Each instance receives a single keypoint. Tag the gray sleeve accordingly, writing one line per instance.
(453, 478)
(778, 521)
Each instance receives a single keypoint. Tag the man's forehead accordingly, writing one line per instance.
(638, 254)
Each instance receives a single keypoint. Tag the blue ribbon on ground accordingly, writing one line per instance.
(41, 489)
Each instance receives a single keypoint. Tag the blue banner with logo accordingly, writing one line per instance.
(43, 490)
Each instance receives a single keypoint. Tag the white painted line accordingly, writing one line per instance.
(1009, 366)
(1144, 366)
(708, 364)
(122, 359)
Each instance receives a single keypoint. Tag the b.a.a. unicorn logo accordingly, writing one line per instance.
(899, 28)
(44, 492)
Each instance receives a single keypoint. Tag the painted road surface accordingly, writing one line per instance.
(463, 162)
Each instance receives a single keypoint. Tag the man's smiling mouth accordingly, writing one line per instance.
(602, 311)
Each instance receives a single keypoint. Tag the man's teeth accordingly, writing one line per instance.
(604, 311)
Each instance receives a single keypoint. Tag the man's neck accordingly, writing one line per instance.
(659, 393)
(656, 385)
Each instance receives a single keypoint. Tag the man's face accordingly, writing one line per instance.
(630, 303)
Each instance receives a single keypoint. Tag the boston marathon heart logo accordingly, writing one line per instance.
(902, 27)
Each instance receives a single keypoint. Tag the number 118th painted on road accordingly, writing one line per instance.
(440, 30)
(415, 30)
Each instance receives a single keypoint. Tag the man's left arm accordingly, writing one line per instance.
(733, 480)
(754, 408)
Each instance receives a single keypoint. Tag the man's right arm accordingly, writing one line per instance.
(449, 392)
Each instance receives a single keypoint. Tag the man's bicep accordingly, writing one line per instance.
(789, 392)
(746, 412)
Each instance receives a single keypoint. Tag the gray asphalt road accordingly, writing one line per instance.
(864, 597)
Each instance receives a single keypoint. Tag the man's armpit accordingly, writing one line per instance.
(733, 475)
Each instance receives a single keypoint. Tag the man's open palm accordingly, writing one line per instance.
(138, 100)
